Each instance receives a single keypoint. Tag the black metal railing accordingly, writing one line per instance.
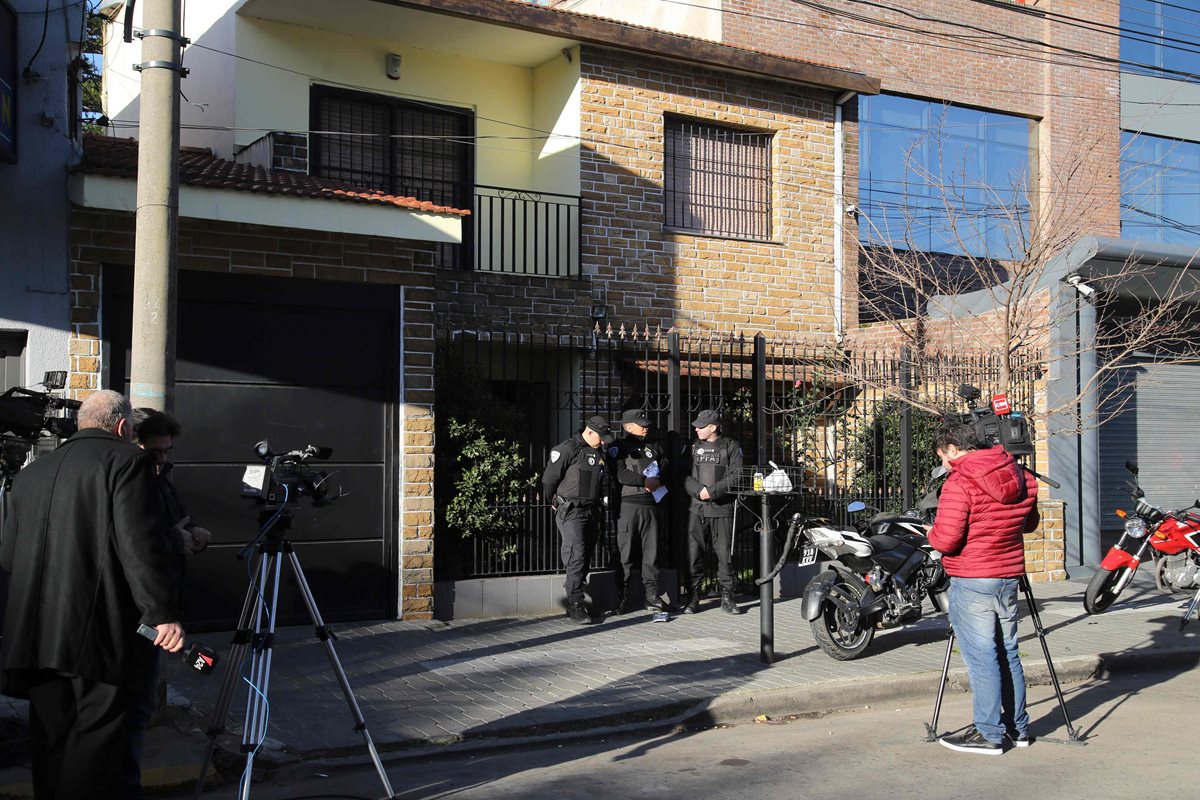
(524, 232)
(852, 425)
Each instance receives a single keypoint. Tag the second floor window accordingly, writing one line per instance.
(404, 148)
(1159, 38)
(716, 180)
(942, 178)
(1160, 189)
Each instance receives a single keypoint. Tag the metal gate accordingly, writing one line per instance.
(837, 418)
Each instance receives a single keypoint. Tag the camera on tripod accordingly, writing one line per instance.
(286, 475)
(27, 415)
(997, 423)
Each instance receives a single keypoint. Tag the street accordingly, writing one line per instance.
(873, 752)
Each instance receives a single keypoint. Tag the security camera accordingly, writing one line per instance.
(1080, 286)
(852, 210)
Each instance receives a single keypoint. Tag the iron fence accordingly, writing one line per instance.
(848, 425)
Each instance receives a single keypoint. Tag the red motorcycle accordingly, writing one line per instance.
(1171, 538)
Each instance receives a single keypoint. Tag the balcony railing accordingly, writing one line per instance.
(523, 232)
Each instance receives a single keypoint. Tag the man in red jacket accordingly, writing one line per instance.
(986, 506)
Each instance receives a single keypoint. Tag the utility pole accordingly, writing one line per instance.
(152, 368)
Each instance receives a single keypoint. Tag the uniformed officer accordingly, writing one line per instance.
(640, 467)
(572, 484)
(716, 461)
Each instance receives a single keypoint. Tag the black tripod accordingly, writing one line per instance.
(1074, 737)
(272, 544)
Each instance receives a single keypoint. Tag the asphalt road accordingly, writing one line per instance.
(1138, 733)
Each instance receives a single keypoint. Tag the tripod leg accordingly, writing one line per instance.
(327, 637)
(1072, 734)
(254, 731)
(237, 651)
(931, 727)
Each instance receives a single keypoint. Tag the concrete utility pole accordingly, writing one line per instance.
(152, 369)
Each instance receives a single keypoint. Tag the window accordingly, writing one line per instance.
(1158, 36)
(717, 180)
(1160, 189)
(942, 178)
(410, 149)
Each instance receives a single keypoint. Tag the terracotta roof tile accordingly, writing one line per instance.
(117, 158)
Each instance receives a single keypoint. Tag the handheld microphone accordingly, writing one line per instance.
(198, 655)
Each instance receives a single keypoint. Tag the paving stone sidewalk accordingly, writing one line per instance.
(422, 682)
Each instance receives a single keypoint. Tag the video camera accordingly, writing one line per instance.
(286, 475)
(996, 423)
(27, 415)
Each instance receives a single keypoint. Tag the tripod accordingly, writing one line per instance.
(272, 545)
(1074, 737)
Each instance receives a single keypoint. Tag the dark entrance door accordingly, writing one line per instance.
(296, 362)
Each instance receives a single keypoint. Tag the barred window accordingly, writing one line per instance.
(717, 180)
(410, 149)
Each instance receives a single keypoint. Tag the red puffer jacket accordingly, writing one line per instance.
(987, 505)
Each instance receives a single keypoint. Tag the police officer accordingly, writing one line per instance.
(572, 484)
(640, 468)
(716, 460)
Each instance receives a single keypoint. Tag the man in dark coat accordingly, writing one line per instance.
(85, 544)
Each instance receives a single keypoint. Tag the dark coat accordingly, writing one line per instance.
(85, 541)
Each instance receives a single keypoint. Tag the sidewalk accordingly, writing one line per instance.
(432, 683)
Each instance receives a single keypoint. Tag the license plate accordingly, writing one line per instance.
(808, 555)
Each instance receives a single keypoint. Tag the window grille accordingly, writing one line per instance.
(717, 180)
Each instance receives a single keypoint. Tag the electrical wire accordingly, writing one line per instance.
(41, 42)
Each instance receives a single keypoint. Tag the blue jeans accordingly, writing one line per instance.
(984, 614)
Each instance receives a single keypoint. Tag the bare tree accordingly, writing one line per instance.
(1004, 291)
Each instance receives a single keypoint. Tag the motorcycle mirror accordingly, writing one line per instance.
(856, 506)
(1132, 467)
(938, 472)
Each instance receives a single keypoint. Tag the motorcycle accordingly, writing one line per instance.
(878, 576)
(1171, 538)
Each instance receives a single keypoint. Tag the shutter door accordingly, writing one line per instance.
(1158, 429)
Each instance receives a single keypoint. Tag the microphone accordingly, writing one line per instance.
(198, 655)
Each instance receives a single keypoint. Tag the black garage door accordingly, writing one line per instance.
(296, 362)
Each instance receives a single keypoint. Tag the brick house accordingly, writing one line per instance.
(565, 168)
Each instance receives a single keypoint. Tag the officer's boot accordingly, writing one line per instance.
(727, 604)
(653, 601)
(693, 603)
(623, 604)
(578, 614)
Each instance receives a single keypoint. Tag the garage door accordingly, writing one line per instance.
(294, 362)
(1158, 430)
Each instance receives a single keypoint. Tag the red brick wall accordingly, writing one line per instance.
(106, 237)
(1075, 99)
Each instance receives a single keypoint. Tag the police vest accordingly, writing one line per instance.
(710, 460)
(584, 476)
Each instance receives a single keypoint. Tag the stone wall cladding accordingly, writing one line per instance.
(106, 237)
(644, 274)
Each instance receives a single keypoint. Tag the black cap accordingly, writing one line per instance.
(637, 416)
(598, 424)
(706, 418)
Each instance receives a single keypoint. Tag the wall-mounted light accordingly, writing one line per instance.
(599, 311)
(392, 66)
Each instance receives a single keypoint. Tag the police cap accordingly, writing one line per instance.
(598, 424)
(635, 416)
(706, 418)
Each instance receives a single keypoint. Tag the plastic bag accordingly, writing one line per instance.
(777, 482)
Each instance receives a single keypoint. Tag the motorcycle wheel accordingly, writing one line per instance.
(840, 635)
(1102, 589)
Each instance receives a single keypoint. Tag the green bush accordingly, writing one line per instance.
(877, 449)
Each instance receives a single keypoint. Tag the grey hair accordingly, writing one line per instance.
(104, 409)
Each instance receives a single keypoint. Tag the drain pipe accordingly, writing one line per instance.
(839, 213)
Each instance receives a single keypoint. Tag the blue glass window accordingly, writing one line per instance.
(1160, 189)
(943, 178)
(1158, 36)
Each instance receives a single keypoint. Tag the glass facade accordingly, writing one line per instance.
(1160, 189)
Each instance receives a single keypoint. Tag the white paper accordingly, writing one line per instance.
(659, 494)
(252, 479)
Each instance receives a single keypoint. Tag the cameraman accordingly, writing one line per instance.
(85, 546)
(986, 507)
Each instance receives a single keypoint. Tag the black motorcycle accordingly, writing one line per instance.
(879, 573)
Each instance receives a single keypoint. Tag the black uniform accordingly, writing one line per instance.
(640, 517)
(572, 483)
(714, 465)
